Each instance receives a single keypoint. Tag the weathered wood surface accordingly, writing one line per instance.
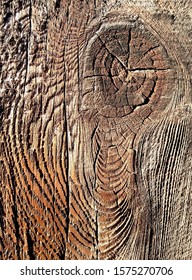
(96, 129)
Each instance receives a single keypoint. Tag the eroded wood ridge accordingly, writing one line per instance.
(34, 164)
(167, 182)
(95, 147)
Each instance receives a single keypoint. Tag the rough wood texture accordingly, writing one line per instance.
(96, 129)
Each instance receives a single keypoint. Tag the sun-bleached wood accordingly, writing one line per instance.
(96, 129)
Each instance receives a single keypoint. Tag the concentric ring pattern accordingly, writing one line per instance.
(125, 66)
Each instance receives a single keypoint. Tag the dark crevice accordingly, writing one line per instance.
(30, 243)
(95, 162)
(15, 212)
(57, 4)
(148, 69)
(67, 181)
(2, 213)
(67, 164)
(95, 4)
(61, 254)
(151, 91)
(7, 17)
(109, 51)
(97, 235)
(149, 50)
(96, 211)
(1, 115)
(129, 49)
(94, 132)
(151, 237)
(27, 46)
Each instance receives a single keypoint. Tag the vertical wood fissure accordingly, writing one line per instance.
(67, 159)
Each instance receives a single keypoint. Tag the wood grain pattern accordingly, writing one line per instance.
(95, 119)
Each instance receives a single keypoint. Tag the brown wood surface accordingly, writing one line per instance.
(95, 129)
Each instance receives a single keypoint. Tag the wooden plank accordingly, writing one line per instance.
(95, 117)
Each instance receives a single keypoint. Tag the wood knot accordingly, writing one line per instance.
(124, 66)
